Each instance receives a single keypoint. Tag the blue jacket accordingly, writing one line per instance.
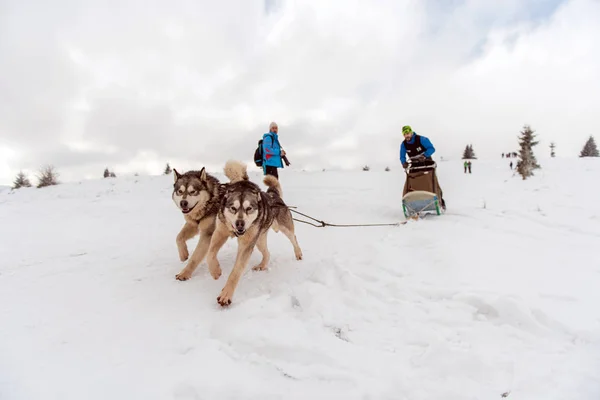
(429, 149)
(271, 151)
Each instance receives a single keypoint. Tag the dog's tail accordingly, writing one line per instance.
(235, 171)
(273, 185)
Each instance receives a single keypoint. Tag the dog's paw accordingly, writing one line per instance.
(259, 267)
(224, 298)
(183, 253)
(298, 254)
(184, 275)
(215, 270)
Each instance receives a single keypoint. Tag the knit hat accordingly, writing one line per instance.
(272, 125)
(406, 129)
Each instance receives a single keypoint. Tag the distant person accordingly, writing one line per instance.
(469, 165)
(511, 165)
(272, 152)
(466, 165)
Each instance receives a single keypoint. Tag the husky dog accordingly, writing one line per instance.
(198, 195)
(247, 212)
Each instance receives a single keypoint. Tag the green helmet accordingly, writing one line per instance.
(406, 129)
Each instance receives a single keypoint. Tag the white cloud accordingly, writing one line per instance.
(199, 82)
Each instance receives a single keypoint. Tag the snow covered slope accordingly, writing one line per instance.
(499, 296)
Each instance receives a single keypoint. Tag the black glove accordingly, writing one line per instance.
(405, 165)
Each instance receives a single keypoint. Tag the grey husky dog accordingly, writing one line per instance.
(247, 212)
(198, 195)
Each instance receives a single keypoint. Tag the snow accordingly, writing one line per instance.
(498, 296)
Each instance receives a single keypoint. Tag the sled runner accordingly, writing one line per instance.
(422, 193)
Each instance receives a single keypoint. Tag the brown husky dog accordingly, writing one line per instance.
(197, 194)
(248, 213)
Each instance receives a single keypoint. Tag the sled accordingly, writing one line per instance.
(422, 194)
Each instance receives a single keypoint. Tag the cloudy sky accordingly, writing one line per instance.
(132, 84)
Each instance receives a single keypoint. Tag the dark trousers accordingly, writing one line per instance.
(271, 171)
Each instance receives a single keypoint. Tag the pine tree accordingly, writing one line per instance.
(527, 163)
(168, 169)
(47, 176)
(21, 181)
(387, 169)
(552, 147)
(366, 168)
(590, 149)
(469, 153)
(106, 173)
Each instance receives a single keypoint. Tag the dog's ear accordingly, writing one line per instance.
(203, 174)
(176, 174)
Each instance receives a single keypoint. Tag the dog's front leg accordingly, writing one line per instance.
(245, 247)
(197, 257)
(188, 231)
(216, 242)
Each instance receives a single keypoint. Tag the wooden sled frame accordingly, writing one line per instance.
(421, 167)
(416, 203)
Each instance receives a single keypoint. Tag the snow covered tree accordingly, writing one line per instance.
(366, 168)
(21, 181)
(47, 176)
(590, 149)
(387, 169)
(527, 162)
(552, 147)
(469, 153)
(168, 169)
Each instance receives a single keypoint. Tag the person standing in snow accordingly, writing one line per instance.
(469, 166)
(419, 149)
(465, 164)
(272, 152)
